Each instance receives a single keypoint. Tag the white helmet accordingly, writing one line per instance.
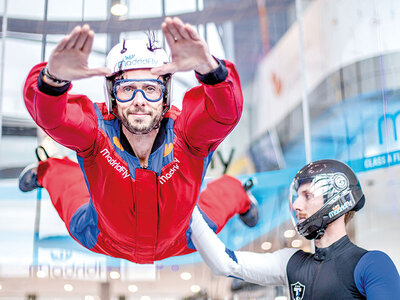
(132, 54)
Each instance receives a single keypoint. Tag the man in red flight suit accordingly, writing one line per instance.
(143, 160)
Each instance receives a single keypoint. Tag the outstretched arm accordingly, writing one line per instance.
(210, 111)
(69, 119)
(259, 268)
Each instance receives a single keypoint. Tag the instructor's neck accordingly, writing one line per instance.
(334, 232)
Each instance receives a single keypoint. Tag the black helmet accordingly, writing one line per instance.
(335, 185)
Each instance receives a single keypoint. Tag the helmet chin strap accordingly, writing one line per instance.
(162, 117)
(319, 232)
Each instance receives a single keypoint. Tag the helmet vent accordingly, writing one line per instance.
(152, 44)
(123, 47)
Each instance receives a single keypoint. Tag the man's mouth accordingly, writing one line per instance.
(301, 217)
(139, 113)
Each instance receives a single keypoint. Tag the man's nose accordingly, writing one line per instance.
(139, 99)
(298, 204)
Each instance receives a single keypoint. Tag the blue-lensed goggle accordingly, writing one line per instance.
(125, 90)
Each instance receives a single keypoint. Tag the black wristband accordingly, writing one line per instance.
(52, 77)
(49, 89)
(216, 76)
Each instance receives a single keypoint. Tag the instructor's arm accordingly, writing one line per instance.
(259, 268)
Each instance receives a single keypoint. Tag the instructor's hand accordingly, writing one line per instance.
(69, 60)
(189, 51)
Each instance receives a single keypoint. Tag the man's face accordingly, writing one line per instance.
(309, 201)
(139, 116)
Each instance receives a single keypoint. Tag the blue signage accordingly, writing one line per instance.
(386, 118)
(375, 162)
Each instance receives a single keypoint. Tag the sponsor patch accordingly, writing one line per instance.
(297, 289)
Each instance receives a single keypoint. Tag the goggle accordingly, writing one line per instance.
(152, 90)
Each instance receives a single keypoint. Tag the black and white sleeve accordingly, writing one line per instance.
(260, 268)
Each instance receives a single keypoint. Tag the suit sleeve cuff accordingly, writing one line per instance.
(49, 89)
(216, 76)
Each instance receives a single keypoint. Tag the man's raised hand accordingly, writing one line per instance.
(69, 60)
(188, 50)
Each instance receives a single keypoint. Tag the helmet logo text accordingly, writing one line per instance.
(337, 209)
(132, 60)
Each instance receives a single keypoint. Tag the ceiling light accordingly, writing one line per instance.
(266, 246)
(1, 287)
(88, 297)
(195, 288)
(281, 298)
(186, 275)
(119, 10)
(132, 288)
(114, 275)
(145, 298)
(68, 287)
(296, 243)
(289, 233)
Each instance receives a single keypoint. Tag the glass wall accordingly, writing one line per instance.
(351, 89)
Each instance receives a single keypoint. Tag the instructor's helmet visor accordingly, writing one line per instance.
(322, 199)
(125, 90)
(333, 190)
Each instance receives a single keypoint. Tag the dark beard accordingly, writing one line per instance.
(138, 127)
